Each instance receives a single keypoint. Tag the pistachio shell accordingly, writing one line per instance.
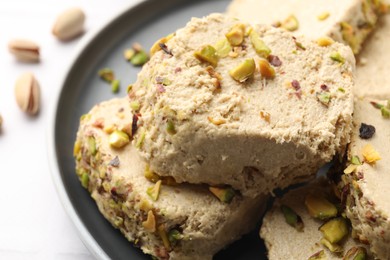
(24, 50)
(27, 93)
(69, 24)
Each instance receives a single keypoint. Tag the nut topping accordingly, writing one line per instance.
(27, 93)
(24, 50)
(69, 24)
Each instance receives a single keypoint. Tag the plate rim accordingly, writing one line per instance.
(86, 237)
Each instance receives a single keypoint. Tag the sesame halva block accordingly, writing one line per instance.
(347, 21)
(165, 219)
(254, 107)
(301, 238)
(366, 178)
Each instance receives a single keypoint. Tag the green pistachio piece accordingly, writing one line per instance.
(164, 236)
(223, 194)
(324, 41)
(259, 45)
(292, 218)
(320, 255)
(118, 139)
(236, 35)
(355, 160)
(85, 180)
(91, 145)
(319, 207)
(356, 253)
(166, 82)
(243, 71)
(207, 54)
(324, 98)
(156, 46)
(129, 54)
(129, 88)
(336, 56)
(223, 48)
(135, 105)
(385, 112)
(266, 70)
(151, 175)
(107, 74)
(341, 90)
(323, 16)
(334, 248)
(140, 58)
(174, 236)
(141, 139)
(335, 230)
(348, 34)
(171, 128)
(115, 86)
(154, 191)
(291, 23)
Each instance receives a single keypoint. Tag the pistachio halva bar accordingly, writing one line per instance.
(372, 74)
(166, 220)
(253, 107)
(366, 178)
(346, 21)
(306, 223)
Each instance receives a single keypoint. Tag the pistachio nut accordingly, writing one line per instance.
(223, 194)
(69, 24)
(356, 253)
(319, 207)
(207, 54)
(335, 230)
(24, 50)
(243, 71)
(292, 218)
(27, 93)
(266, 70)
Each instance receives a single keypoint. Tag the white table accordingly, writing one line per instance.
(33, 224)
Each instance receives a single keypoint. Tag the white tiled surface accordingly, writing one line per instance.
(33, 224)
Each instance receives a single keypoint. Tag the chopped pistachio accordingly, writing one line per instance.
(150, 223)
(266, 70)
(320, 255)
(107, 74)
(335, 230)
(291, 23)
(164, 236)
(300, 45)
(85, 180)
(223, 48)
(336, 56)
(341, 90)
(118, 139)
(118, 221)
(325, 41)
(115, 85)
(170, 127)
(134, 105)
(258, 44)
(76, 148)
(334, 248)
(292, 218)
(243, 71)
(323, 16)
(355, 160)
(356, 253)
(156, 46)
(174, 235)
(141, 139)
(385, 112)
(129, 54)
(140, 58)
(154, 191)
(348, 34)
(207, 54)
(218, 121)
(319, 207)
(370, 155)
(223, 194)
(109, 129)
(150, 175)
(236, 35)
(166, 82)
(91, 145)
(351, 168)
(324, 97)
(129, 88)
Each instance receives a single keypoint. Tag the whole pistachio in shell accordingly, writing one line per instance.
(27, 93)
